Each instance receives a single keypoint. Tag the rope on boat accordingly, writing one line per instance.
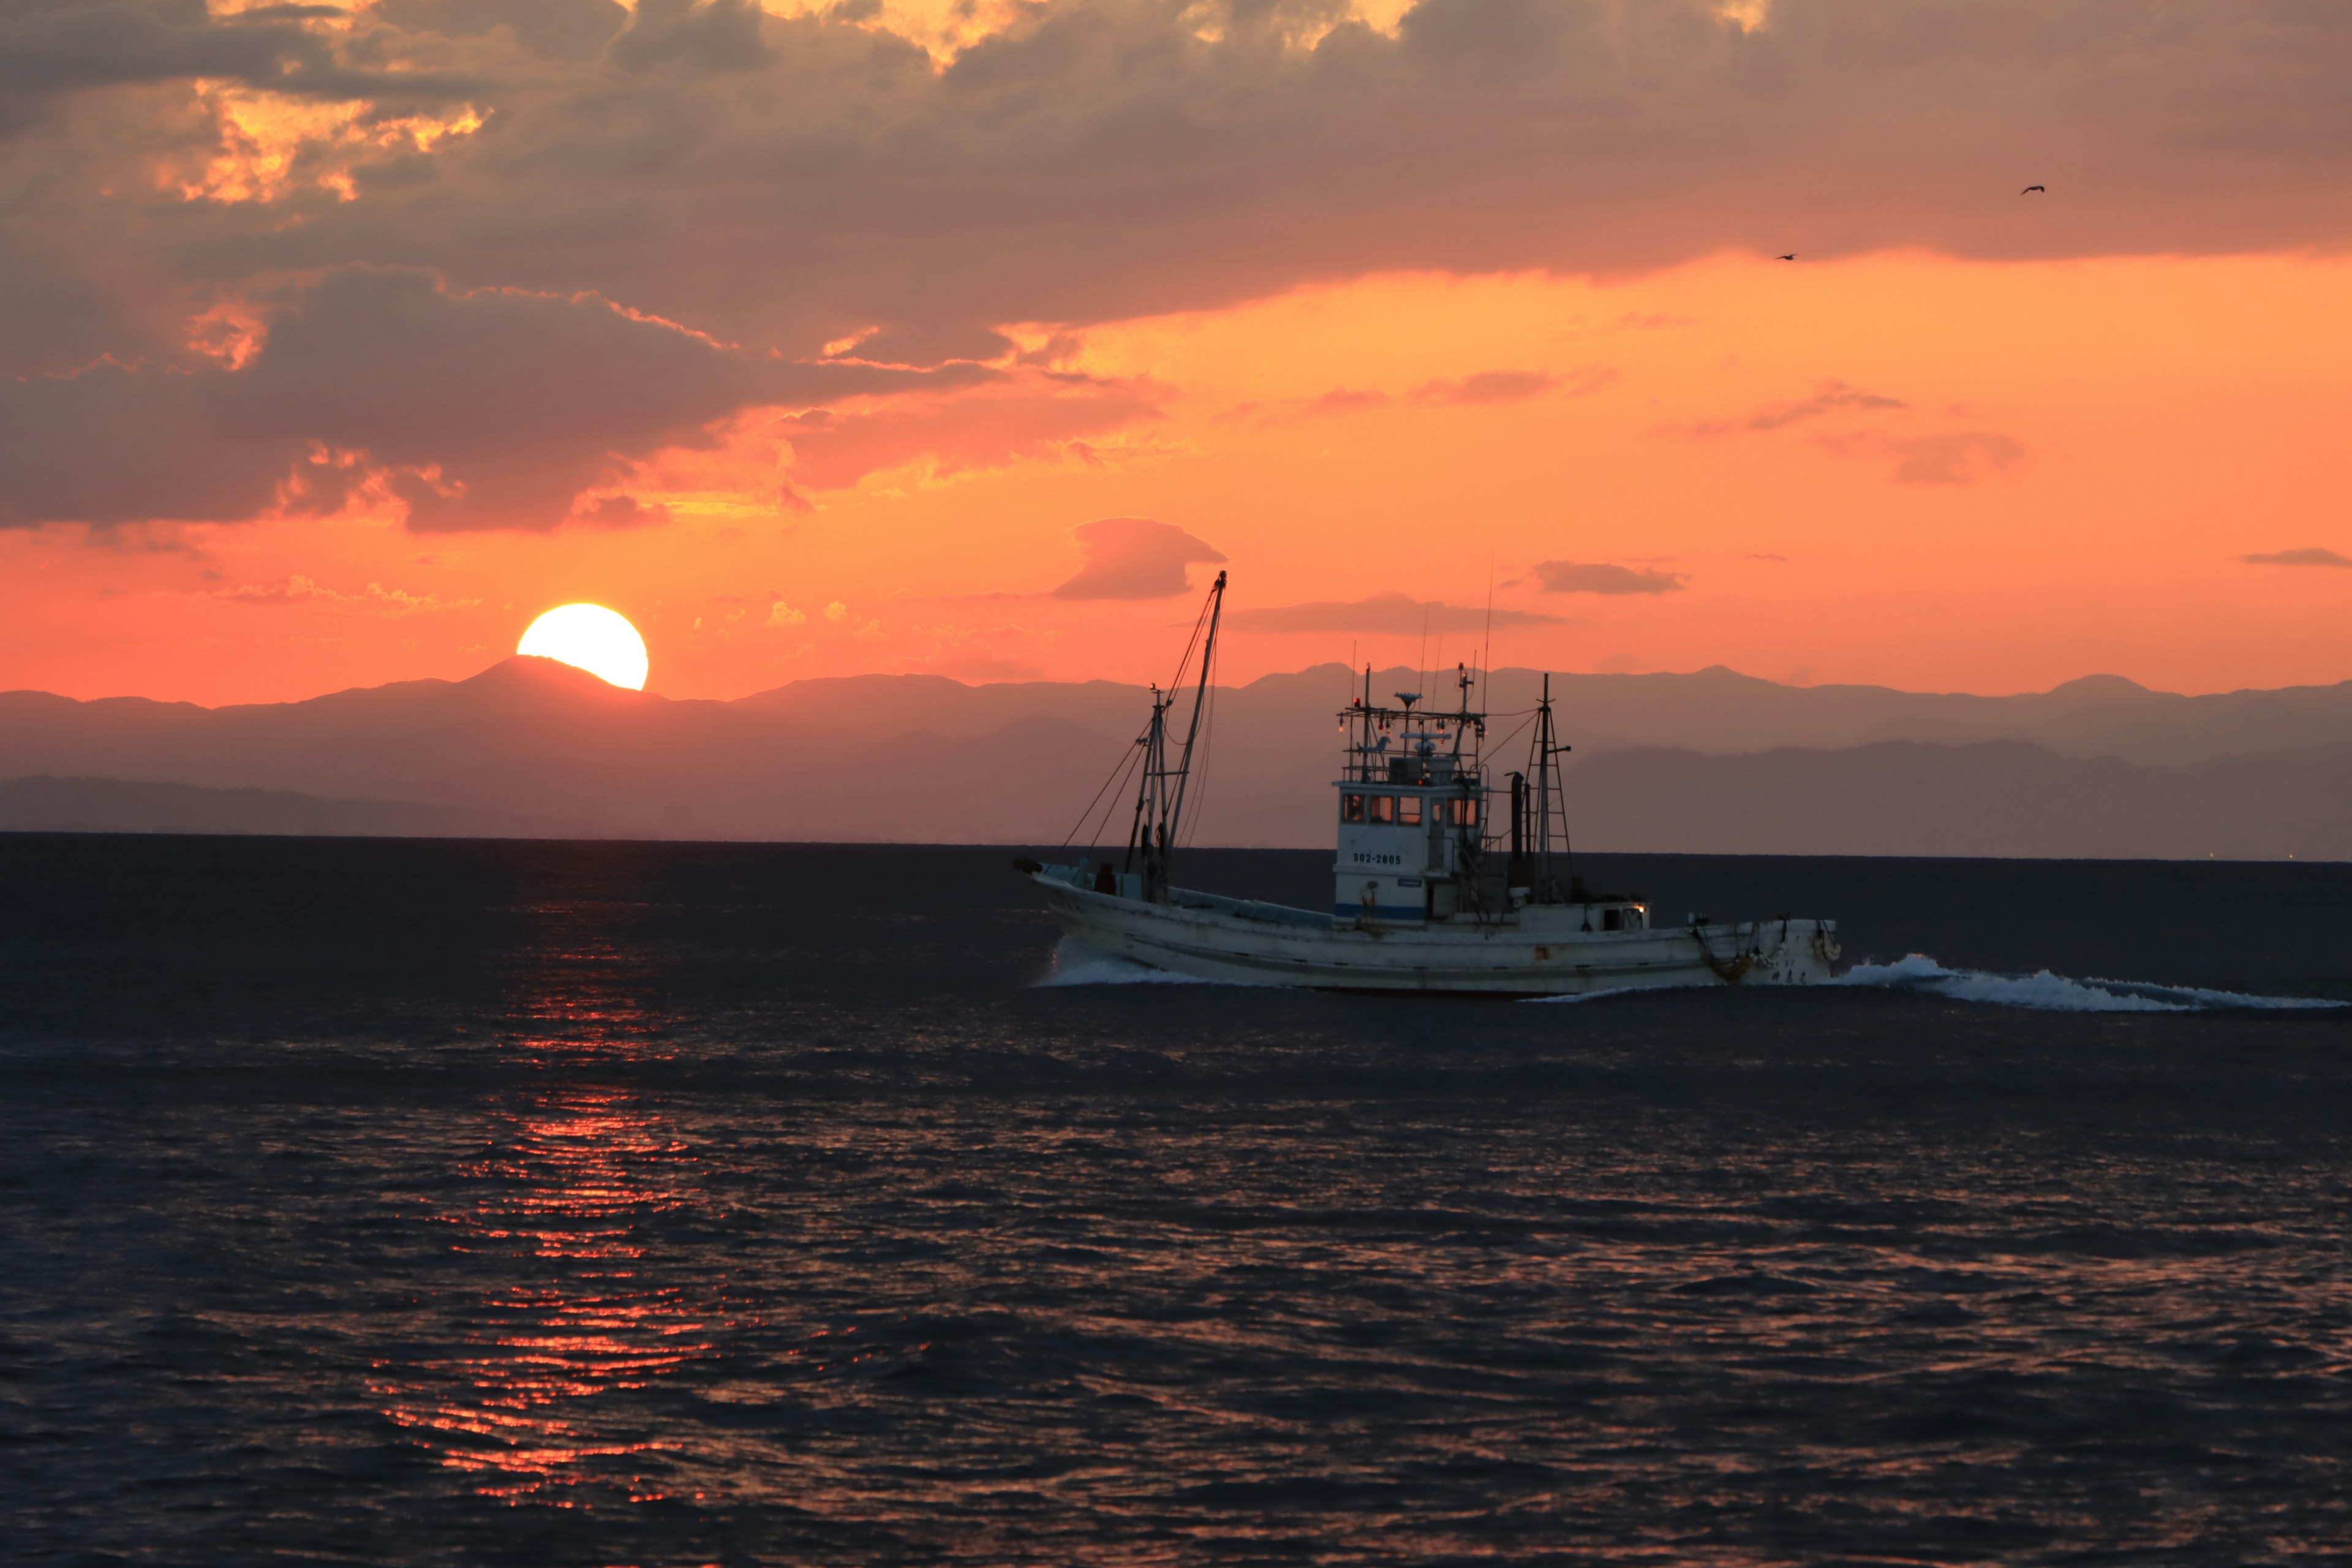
(1730, 970)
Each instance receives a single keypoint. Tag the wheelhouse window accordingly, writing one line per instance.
(1409, 810)
(1462, 812)
(1351, 808)
(1383, 807)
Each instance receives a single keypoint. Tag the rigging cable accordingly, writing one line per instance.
(1118, 775)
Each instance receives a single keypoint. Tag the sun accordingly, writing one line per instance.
(593, 638)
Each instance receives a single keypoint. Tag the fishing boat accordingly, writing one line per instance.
(1434, 890)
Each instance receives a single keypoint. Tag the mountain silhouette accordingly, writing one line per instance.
(1708, 761)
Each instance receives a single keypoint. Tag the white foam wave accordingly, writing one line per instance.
(2056, 992)
(1609, 990)
(1075, 964)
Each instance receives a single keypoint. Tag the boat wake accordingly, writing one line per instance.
(1075, 964)
(2050, 993)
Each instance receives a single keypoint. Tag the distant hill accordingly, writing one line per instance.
(1713, 759)
(1996, 798)
(44, 805)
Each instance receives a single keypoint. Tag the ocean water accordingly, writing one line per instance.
(456, 1203)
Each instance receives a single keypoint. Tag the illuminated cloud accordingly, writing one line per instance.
(994, 421)
(2311, 555)
(1394, 615)
(1134, 558)
(375, 599)
(1603, 577)
(483, 409)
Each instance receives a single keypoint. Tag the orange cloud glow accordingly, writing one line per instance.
(967, 339)
(2059, 469)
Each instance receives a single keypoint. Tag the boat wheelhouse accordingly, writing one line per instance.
(1419, 841)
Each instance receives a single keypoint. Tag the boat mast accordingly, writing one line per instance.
(1547, 747)
(1159, 795)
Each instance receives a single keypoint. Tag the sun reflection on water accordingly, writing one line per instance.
(556, 1219)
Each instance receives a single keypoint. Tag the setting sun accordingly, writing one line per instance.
(592, 637)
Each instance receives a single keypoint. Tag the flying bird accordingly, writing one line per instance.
(2031, 189)
(1790, 256)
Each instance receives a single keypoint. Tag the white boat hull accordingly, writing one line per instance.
(1541, 951)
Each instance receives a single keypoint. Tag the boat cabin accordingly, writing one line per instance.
(1418, 841)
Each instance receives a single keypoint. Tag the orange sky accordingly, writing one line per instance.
(2147, 423)
(2037, 448)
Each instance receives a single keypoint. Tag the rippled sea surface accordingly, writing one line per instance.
(422, 1203)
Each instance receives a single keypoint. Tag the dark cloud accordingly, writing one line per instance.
(701, 35)
(570, 30)
(619, 512)
(783, 183)
(1603, 577)
(2311, 555)
(826, 176)
(490, 409)
(1134, 558)
(1398, 615)
(49, 48)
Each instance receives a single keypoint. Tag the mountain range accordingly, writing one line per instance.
(1712, 761)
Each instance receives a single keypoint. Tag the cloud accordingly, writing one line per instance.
(1343, 400)
(977, 655)
(1134, 558)
(1602, 577)
(569, 30)
(51, 48)
(375, 599)
(1395, 614)
(2311, 555)
(828, 172)
(619, 512)
(1832, 396)
(1002, 419)
(779, 182)
(1513, 385)
(1291, 411)
(482, 409)
(1958, 458)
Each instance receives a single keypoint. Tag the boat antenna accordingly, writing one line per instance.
(1420, 660)
(1487, 649)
